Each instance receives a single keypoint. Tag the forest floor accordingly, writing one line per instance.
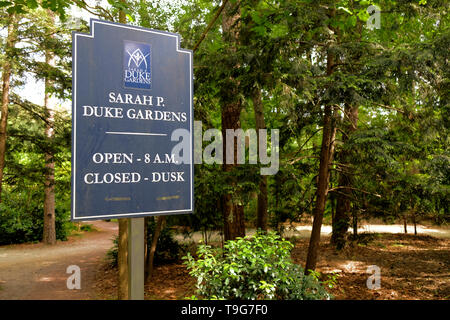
(412, 267)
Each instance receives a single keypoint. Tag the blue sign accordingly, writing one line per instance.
(132, 89)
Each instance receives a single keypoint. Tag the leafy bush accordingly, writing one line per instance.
(22, 215)
(257, 267)
(86, 227)
(167, 248)
(113, 253)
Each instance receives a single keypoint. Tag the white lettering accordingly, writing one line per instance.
(167, 176)
(108, 178)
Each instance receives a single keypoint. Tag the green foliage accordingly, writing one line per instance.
(207, 199)
(397, 77)
(24, 6)
(86, 228)
(167, 249)
(21, 210)
(113, 253)
(21, 218)
(257, 267)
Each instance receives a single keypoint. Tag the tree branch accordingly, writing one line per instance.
(356, 189)
(24, 105)
(211, 23)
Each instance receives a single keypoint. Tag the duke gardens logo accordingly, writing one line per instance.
(137, 65)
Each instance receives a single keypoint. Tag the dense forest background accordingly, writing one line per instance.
(363, 112)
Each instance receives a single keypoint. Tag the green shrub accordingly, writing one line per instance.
(86, 227)
(257, 267)
(113, 253)
(22, 215)
(167, 248)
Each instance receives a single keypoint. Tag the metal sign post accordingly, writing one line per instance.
(131, 98)
(136, 262)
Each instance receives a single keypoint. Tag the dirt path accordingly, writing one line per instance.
(412, 267)
(438, 232)
(37, 271)
(303, 231)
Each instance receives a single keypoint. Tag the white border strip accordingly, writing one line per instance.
(74, 115)
(136, 133)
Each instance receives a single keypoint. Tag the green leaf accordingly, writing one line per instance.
(130, 17)
(32, 4)
(345, 9)
(5, 3)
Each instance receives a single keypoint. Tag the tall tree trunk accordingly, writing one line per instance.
(415, 223)
(405, 224)
(122, 259)
(261, 210)
(160, 221)
(49, 236)
(341, 219)
(326, 153)
(233, 213)
(355, 223)
(6, 80)
(122, 255)
(322, 191)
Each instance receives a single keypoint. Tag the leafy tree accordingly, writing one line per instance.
(25, 167)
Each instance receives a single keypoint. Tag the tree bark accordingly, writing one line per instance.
(261, 210)
(122, 256)
(322, 191)
(405, 224)
(49, 232)
(6, 80)
(355, 224)
(122, 259)
(326, 153)
(160, 222)
(233, 212)
(341, 219)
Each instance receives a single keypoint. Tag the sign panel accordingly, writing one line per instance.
(132, 88)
